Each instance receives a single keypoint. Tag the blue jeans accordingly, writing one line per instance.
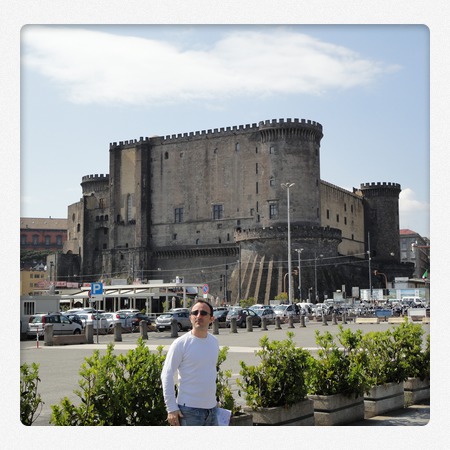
(198, 416)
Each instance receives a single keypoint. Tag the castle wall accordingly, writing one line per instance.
(344, 210)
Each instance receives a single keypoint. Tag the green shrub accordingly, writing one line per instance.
(280, 378)
(117, 390)
(224, 393)
(335, 370)
(30, 400)
(408, 339)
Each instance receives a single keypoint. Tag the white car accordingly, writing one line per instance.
(88, 317)
(284, 311)
(61, 324)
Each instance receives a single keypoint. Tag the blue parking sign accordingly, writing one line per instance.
(96, 288)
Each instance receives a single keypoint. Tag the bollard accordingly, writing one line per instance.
(264, 324)
(277, 323)
(118, 332)
(143, 328)
(344, 318)
(174, 328)
(48, 334)
(302, 321)
(334, 318)
(215, 325)
(324, 319)
(291, 322)
(233, 325)
(249, 323)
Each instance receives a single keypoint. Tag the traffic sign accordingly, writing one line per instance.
(96, 289)
(205, 288)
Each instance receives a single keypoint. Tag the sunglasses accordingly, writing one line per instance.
(201, 312)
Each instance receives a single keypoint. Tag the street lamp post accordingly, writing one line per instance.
(299, 251)
(315, 275)
(287, 186)
(370, 268)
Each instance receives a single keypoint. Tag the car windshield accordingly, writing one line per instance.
(166, 316)
(280, 307)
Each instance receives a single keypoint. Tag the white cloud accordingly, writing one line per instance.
(414, 214)
(409, 204)
(98, 67)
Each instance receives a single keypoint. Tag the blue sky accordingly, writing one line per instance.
(83, 87)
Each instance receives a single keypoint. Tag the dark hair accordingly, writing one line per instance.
(206, 303)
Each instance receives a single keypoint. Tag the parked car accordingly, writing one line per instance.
(241, 317)
(220, 315)
(136, 319)
(284, 311)
(100, 323)
(164, 321)
(128, 311)
(75, 318)
(268, 313)
(61, 324)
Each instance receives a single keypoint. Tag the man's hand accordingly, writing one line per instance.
(174, 418)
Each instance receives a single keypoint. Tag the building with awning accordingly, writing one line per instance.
(150, 297)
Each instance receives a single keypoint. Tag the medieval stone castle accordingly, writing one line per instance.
(209, 207)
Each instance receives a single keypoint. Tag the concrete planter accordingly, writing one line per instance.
(384, 398)
(416, 391)
(337, 409)
(242, 420)
(299, 414)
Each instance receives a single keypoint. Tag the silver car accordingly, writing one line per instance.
(61, 324)
(164, 321)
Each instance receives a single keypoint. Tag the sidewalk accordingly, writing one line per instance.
(414, 415)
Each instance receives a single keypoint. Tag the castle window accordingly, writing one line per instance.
(273, 210)
(272, 182)
(220, 240)
(174, 237)
(217, 212)
(97, 218)
(228, 237)
(351, 208)
(328, 213)
(166, 155)
(179, 215)
(345, 220)
(257, 189)
(337, 218)
(181, 154)
(272, 150)
(256, 167)
(256, 150)
(129, 207)
(197, 241)
(101, 203)
(106, 217)
(345, 206)
(238, 147)
(104, 247)
(252, 211)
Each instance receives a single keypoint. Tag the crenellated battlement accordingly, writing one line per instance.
(94, 183)
(295, 125)
(95, 177)
(380, 185)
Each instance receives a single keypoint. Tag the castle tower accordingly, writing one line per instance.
(293, 155)
(381, 219)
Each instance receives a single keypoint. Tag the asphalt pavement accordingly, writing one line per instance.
(59, 365)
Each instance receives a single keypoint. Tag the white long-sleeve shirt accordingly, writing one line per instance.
(195, 359)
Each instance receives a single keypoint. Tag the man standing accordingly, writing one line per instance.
(194, 356)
